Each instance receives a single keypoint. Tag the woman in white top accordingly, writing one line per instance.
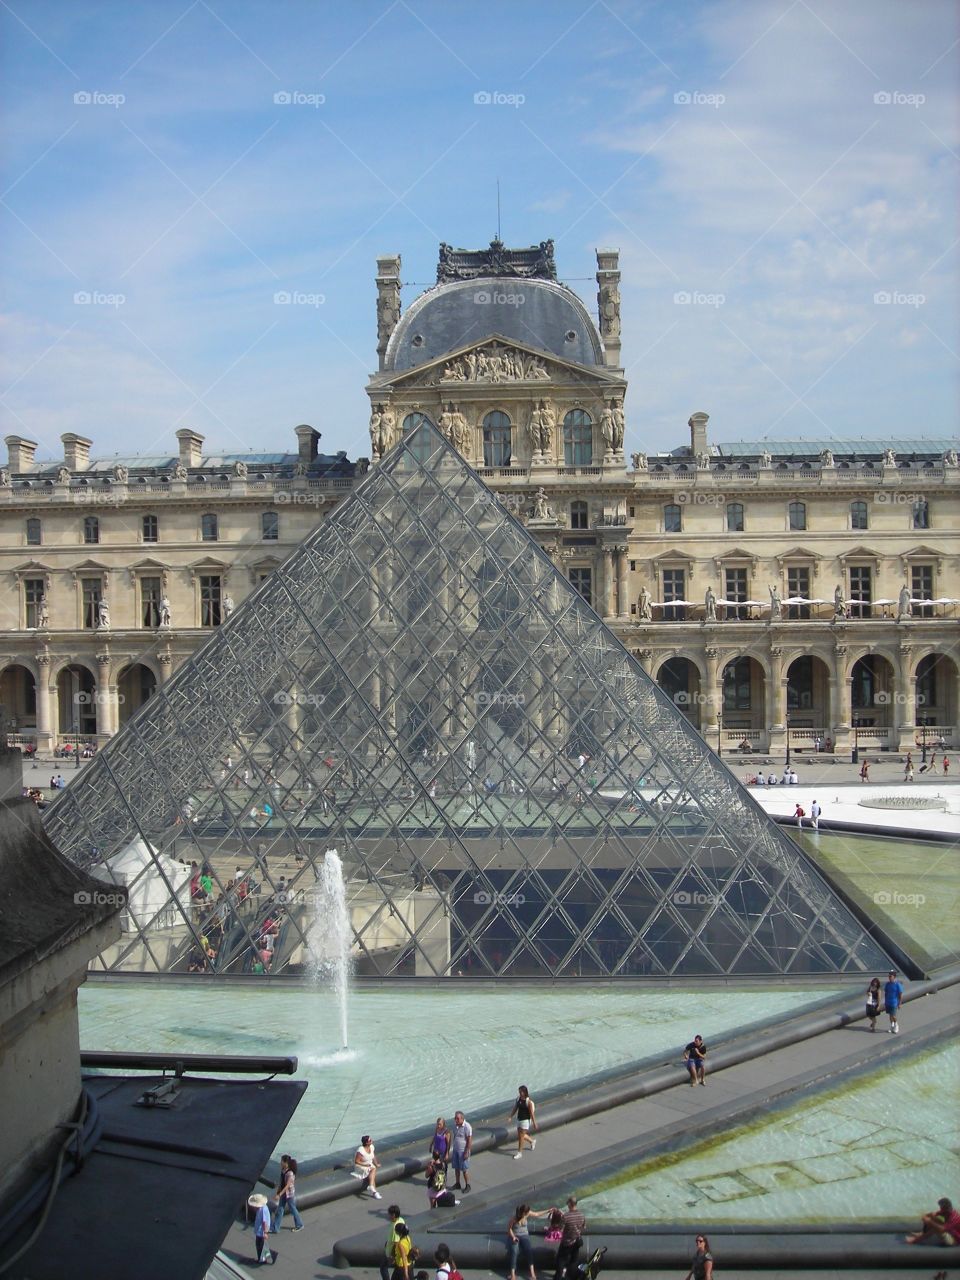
(366, 1164)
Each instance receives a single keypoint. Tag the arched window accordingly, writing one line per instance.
(858, 515)
(735, 517)
(797, 512)
(579, 515)
(577, 439)
(91, 529)
(420, 448)
(672, 518)
(496, 440)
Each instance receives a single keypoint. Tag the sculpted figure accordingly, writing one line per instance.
(710, 605)
(548, 422)
(533, 428)
(103, 615)
(43, 616)
(63, 475)
(452, 372)
(120, 473)
(228, 606)
(375, 430)
(904, 607)
(950, 458)
(639, 461)
(607, 426)
(165, 612)
(541, 508)
(644, 606)
(388, 429)
(619, 424)
(703, 462)
(889, 458)
(179, 470)
(766, 459)
(4, 477)
(445, 423)
(610, 311)
(240, 469)
(776, 608)
(460, 431)
(839, 602)
(470, 361)
(826, 458)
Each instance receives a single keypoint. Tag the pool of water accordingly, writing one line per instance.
(885, 1144)
(417, 1054)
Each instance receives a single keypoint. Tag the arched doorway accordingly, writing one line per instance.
(935, 689)
(18, 701)
(76, 703)
(808, 700)
(871, 700)
(744, 701)
(135, 685)
(679, 678)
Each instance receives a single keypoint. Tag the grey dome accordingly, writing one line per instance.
(551, 318)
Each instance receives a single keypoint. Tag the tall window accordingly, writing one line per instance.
(673, 589)
(798, 585)
(921, 588)
(579, 515)
(209, 527)
(858, 515)
(496, 440)
(672, 518)
(926, 686)
(861, 591)
(91, 529)
(577, 439)
(800, 684)
(736, 685)
(735, 588)
(211, 600)
(921, 514)
(33, 532)
(420, 448)
(33, 597)
(150, 529)
(797, 512)
(150, 594)
(734, 517)
(582, 582)
(91, 592)
(269, 526)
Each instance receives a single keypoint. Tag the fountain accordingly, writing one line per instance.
(330, 934)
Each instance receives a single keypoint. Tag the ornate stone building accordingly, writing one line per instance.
(775, 589)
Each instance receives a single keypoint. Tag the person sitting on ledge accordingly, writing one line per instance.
(942, 1227)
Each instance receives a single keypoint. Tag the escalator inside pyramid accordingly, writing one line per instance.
(418, 689)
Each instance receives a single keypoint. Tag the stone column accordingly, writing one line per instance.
(388, 302)
(165, 661)
(623, 604)
(841, 699)
(777, 710)
(106, 699)
(608, 580)
(711, 705)
(904, 727)
(46, 693)
(646, 661)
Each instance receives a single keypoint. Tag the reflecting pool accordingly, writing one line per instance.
(882, 1145)
(417, 1054)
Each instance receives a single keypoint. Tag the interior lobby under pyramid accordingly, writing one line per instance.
(510, 794)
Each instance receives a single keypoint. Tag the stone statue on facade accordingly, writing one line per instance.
(839, 602)
(4, 477)
(904, 604)
(240, 469)
(103, 614)
(608, 427)
(43, 616)
(548, 422)
(776, 607)
(388, 428)
(120, 473)
(541, 508)
(63, 475)
(639, 461)
(703, 462)
(179, 470)
(228, 606)
(950, 458)
(460, 431)
(710, 605)
(619, 425)
(645, 606)
(826, 458)
(445, 424)
(889, 458)
(375, 431)
(766, 459)
(609, 303)
(165, 612)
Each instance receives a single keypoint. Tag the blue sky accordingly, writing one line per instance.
(781, 162)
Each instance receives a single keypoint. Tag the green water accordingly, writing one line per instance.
(885, 1146)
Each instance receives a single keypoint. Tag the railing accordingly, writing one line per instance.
(25, 741)
(580, 471)
(808, 735)
(739, 735)
(870, 733)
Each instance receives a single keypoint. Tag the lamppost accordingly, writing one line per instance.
(923, 743)
(787, 761)
(855, 756)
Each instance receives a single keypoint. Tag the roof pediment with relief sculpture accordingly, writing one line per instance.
(496, 361)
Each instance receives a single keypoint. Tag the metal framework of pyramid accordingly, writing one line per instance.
(510, 794)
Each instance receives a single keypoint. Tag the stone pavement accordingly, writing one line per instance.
(572, 1155)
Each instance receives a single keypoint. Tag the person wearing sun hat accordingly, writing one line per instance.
(261, 1226)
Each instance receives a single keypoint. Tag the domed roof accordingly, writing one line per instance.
(538, 313)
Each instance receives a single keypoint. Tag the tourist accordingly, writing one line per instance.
(525, 1111)
(446, 1267)
(771, 779)
(438, 1193)
(396, 1220)
(440, 1143)
(815, 812)
(366, 1164)
(873, 1002)
(828, 745)
(518, 1239)
(942, 1226)
(799, 814)
(793, 779)
(908, 768)
(931, 764)
(460, 1151)
(785, 778)
(702, 1266)
(402, 1250)
(946, 769)
(892, 1000)
(760, 779)
(571, 1238)
(695, 1057)
(554, 1230)
(261, 1226)
(865, 771)
(287, 1195)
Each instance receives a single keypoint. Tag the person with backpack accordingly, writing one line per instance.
(438, 1193)
(574, 1225)
(446, 1267)
(396, 1218)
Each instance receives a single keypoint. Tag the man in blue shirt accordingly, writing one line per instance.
(892, 999)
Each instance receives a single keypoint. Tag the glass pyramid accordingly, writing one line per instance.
(509, 792)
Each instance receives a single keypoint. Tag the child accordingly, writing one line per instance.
(554, 1227)
(261, 1226)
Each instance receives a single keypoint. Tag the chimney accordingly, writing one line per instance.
(20, 453)
(307, 440)
(698, 433)
(190, 446)
(608, 304)
(76, 452)
(388, 302)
